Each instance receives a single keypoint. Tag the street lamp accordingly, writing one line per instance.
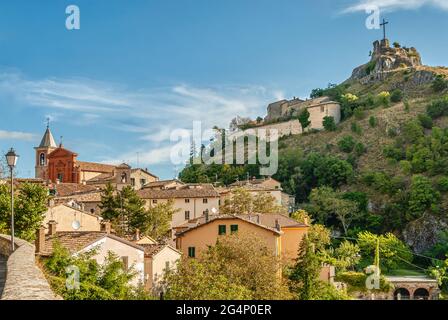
(11, 159)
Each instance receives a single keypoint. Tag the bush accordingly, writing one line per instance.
(359, 113)
(425, 121)
(383, 99)
(396, 96)
(392, 132)
(407, 106)
(438, 108)
(329, 124)
(356, 128)
(373, 121)
(413, 131)
(439, 84)
(346, 144)
(442, 184)
(360, 149)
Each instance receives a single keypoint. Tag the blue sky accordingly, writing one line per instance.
(136, 70)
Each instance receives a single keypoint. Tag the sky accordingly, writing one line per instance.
(136, 70)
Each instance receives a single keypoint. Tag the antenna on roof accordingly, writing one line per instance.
(48, 122)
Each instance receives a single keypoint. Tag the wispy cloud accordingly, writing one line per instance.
(149, 113)
(394, 5)
(15, 135)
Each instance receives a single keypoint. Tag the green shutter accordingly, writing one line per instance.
(234, 228)
(221, 230)
(191, 252)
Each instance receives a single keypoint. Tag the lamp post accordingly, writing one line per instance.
(11, 159)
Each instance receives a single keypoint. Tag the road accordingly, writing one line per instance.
(3, 260)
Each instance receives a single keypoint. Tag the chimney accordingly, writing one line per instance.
(105, 227)
(137, 235)
(40, 240)
(52, 227)
(277, 225)
(206, 215)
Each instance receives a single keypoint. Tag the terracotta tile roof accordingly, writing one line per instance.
(145, 171)
(95, 167)
(103, 177)
(94, 196)
(266, 221)
(161, 183)
(183, 192)
(67, 189)
(153, 249)
(76, 241)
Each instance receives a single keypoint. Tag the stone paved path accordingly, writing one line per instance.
(3, 260)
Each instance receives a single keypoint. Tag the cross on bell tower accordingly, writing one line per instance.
(383, 24)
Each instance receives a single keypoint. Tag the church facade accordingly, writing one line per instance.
(57, 164)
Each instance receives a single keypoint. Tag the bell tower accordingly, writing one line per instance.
(47, 145)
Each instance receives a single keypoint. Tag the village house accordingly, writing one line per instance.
(71, 218)
(266, 186)
(143, 255)
(77, 242)
(190, 200)
(281, 234)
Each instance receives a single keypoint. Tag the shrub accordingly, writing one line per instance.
(425, 121)
(359, 113)
(396, 96)
(360, 149)
(438, 108)
(392, 152)
(392, 132)
(373, 121)
(329, 123)
(356, 128)
(407, 106)
(413, 131)
(396, 45)
(346, 144)
(370, 67)
(383, 99)
(439, 84)
(442, 184)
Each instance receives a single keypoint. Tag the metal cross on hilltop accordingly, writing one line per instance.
(384, 27)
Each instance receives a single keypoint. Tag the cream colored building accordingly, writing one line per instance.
(69, 218)
(190, 201)
(159, 258)
(132, 255)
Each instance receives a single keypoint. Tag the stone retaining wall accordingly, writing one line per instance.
(24, 280)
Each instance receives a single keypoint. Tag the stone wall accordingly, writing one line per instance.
(24, 280)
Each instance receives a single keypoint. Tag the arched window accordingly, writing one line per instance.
(124, 177)
(42, 159)
(402, 294)
(421, 294)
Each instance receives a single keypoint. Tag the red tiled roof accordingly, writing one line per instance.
(67, 189)
(183, 192)
(95, 167)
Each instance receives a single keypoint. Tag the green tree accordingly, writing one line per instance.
(304, 119)
(108, 281)
(347, 255)
(30, 205)
(440, 83)
(157, 222)
(346, 144)
(329, 123)
(422, 196)
(108, 205)
(396, 95)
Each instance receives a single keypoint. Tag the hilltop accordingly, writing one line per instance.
(389, 154)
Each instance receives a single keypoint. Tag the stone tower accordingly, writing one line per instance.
(47, 145)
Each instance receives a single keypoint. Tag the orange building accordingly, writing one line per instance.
(281, 234)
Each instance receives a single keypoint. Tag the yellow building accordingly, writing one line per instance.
(281, 234)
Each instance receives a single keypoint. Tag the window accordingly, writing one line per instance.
(222, 229)
(204, 200)
(191, 252)
(322, 108)
(92, 210)
(125, 261)
(124, 177)
(187, 215)
(234, 228)
(187, 200)
(60, 177)
(133, 182)
(154, 201)
(142, 182)
(42, 159)
(167, 265)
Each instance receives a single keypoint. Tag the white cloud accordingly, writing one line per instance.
(394, 5)
(149, 113)
(15, 135)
